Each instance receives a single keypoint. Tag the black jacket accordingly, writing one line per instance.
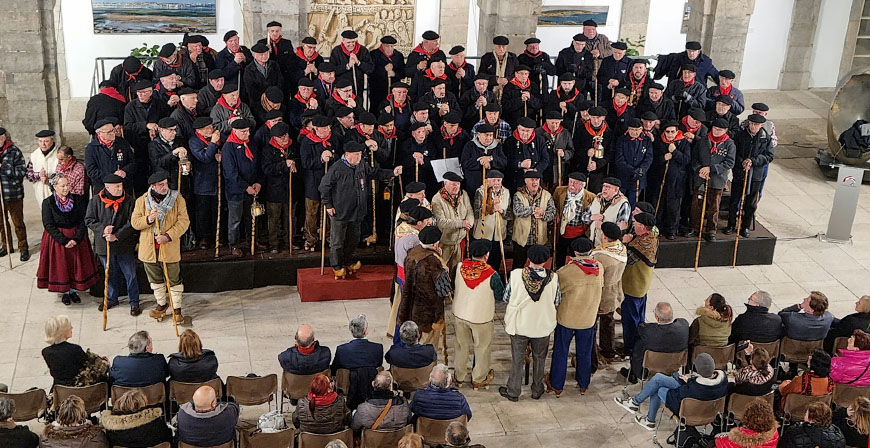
(757, 148)
(513, 105)
(255, 83)
(226, 61)
(378, 80)
(414, 58)
(161, 157)
(365, 67)
(488, 65)
(53, 219)
(313, 166)
(664, 109)
(137, 370)
(664, 338)
(843, 328)
(293, 361)
(517, 151)
(17, 436)
(757, 324)
(64, 360)
(102, 106)
(197, 370)
(542, 68)
(686, 98)
(581, 65)
(125, 81)
(136, 118)
(851, 434)
(99, 216)
(142, 429)
(807, 435)
(276, 173)
(101, 161)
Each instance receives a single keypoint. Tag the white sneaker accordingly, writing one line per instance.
(627, 403)
(644, 422)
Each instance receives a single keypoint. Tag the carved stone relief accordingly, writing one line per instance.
(371, 19)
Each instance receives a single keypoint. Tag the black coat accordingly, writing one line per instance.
(581, 65)
(344, 189)
(424, 173)
(542, 67)
(757, 148)
(513, 106)
(678, 168)
(664, 338)
(468, 107)
(161, 158)
(473, 170)
(383, 156)
(583, 141)
(64, 360)
(664, 109)
(276, 173)
(733, 121)
(451, 147)
(488, 65)
(197, 370)
(136, 118)
(686, 98)
(453, 82)
(806, 435)
(53, 219)
(365, 67)
(378, 82)
(312, 165)
(298, 364)
(415, 56)
(18, 436)
(185, 120)
(99, 216)
(757, 324)
(843, 328)
(142, 429)
(101, 161)
(517, 151)
(226, 61)
(125, 81)
(283, 52)
(102, 106)
(358, 353)
(297, 69)
(433, 102)
(255, 83)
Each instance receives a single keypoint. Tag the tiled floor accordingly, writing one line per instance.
(248, 329)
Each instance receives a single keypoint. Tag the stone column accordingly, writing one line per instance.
(257, 13)
(721, 27)
(635, 17)
(516, 19)
(453, 24)
(795, 73)
(851, 38)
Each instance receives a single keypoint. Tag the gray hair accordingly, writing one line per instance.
(440, 376)
(383, 380)
(138, 342)
(335, 444)
(358, 326)
(763, 298)
(664, 313)
(7, 408)
(307, 342)
(409, 332)
(456, 434)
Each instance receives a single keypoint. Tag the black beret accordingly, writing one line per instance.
(760, 106)
(532, 174)
(273, 114)
(158, 176)
(343, 111)
(389, 40)
(415, 187)
(622, 90)
(698, 114)
(430, 235)
(437, 82)
(408, 204)
(230, 34)
(320, 121)
(693, 45)
(669, 123)
(720, 123)
(201, 122)
(418, 213)
(2, 131)
(456, 50)
(611, 230)
(131, 64)
(351, 147)
(494, 174)
(531, 40)
(576, 175)
(553, 115)
(567, 76)
(367, 118)
(241, 123)
(453, 177)
(326, 67)
(186, 91)
(491, 107)
(597, 111)
(166, 71)
(526, 122)
(419, 105)
(216, 74)
(612, 181)
(645, 207)
(656, 85)
(481, 76)
(273, 94)
(400, 85)
(635, 123)
(755, 118)
(273, 23)
(582, 245)
(309, 115)
(589, 22)
(647, 219)
(451, 117)
(485, 128)
(312, 41)
(167, 122)
(649, 116)
(417, 125)
(538, 254)
(430, 35)
(167, 50)
(259, 47)
(343, 83)
(480, 248)
(196, 39)
(349, 34)
(727, 74)
(113, 178)
(500, 40)
(437, 57)
(230, 88)
(386, 118)
(689, 67)
(100, 123)
(580, 37)
(521, 68)
(619, 46)
(639, 61)
(725, 99)
(305, 82)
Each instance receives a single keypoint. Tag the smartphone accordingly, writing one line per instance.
(742, 346)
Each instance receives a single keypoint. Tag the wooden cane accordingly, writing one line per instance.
(7, 235)
(217, 230)
(740, 217)
(559, 167)
(483, 206)
(525, 108)
(353, 73)
(701, 229)
(253, 230)
(416, 171)
(106, 286)
(290, 213)
(166, 277)
(444, 337)
(662, 187)
(374, 203)
(574, 124)
(636, 190)
(500, 241)
(323, 228)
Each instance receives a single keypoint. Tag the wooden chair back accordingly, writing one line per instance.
(154, 393)
(796, 405)
(162, 445)
(721, 355)
(230, 444)
(410, 380)
(295, 386)
(737, 403)
(798, 351)
(28, 405)
(95, 396)
(840, 344)
(433, 430)
(667, 363)
(375, 438)
(259, 439)
(700, 412)
(252, 391)
(181, 392)
(845, 394)
(771, 347)
(311, 440)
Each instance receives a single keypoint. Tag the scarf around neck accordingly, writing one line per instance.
(111, 201)
(65, 204)
(300, 53)
(233, 138)
(163, 207)
(646, 246)
(534, 283)
(516, 135)
(113, 93)
(588, 265)
(475, 272)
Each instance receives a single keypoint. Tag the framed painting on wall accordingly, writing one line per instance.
(144, 16)
(572, 15)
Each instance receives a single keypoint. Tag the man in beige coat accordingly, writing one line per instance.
(161, 215)
(454, 216)
(491, 218)
(533, 210)
(612, 255)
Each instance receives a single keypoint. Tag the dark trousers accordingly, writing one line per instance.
(711, 218)
(606, 327)
(562, 246)
(583, 343)
(668, 219)
(122, 270)
(633, 314)
(633, 194)
(277, 215)
(343, 239)
(15, 210)
(749, 203)
(518, 360)
(206, 217)
(521, 255)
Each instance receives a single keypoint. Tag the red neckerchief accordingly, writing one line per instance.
(588, 266)
(522, 86)
(132, 76)
(618, 109)
(105, 143)
(546, 129)
(202, 138)
(274, 44)
(687, 84)
(454, 67)
(235, 139)
(300, 53)
(356, 48)
(223, 102)
(324, 141)
(298, 97)
(337, 97)
(113, 92)
(636, 85)
(419, 49)
(70, 162)
(726, 92)
(475, 272)
(399, 107)
(685, 122)
(387, 136)
(381, 49)
(159, 87)
(114, 203)
(269, 125)
(176, 65)
(428, 74)
(559, 93)
(274, 142)
(304, 132)
(5, 146)
(716, 141)
(593, 132)
(327, 84)
(367, 136)
(525, 142)
(630, 138)
(676, 139)
(306, 350)
(533, 56)
(445, 136)
(322, 400)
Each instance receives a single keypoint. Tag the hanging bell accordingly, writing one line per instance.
(257, 208)
(184, 164)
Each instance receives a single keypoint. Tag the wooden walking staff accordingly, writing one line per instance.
(500, 241)
(166, 277)
(106, 279)
(290, 212)
(701, 228)
(374, 203)
(7, 235)
(217, 230)
(662, 187)
(740, 217)
(323, 228)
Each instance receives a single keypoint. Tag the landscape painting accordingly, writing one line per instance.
(572, 15)
(144, 16)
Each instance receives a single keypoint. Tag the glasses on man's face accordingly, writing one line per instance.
(109, 132)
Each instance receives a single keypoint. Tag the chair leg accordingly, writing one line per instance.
(655, 438)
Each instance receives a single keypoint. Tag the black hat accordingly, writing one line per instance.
(689, 67)
(367, 118)
(611, 230)
(274, 94)
(481, 76)
(400, 85)
(430, 35)
(760, 106)
(241, 123)
(538, 254)
(196, 39)
(201, 122)
(645, 207)
(320, 121)
(480, 248)
(418, 213)
(186, 91)
(585, 105)
(755, 118)
(230, 34)
(622, 90)
(343, 111)
(417, 125)
(693, 45)
(567, 76)
(279, 129)
(2, 131)
(456, 50)
(522, 67)
(635, 123)
(532, 174)
(531, 40)
(230, 88)
(429, 235)
(108, 83)
(668, 124)
(526, 122)
(312, 41)
(326, 67)
(647, 219)
(437, 82)
(165, 71)
(580, 37)
(582, 245)
(259, 47)
(415, 187)
(131, 64)
(500, 40)
(305, 82)
(639, 61)
(419, 105)
(408, 204)
(343, 83)
(698, 114)
(309, 115)
(597, 111)
(649, 116)
(158, 176)
(451, 117)
(576, 175)
(612, 181)
(453, 177)
(349, 34)
(720, 123)
(386, 118)
(727, 74)
(494, 174)
(491, 107)
(619, 46)
(100, 123)
(657, 86)
(553, 115)
(273, 114)
(216, 74)
(725, 99)
(167, 50)
(167, 122)
(389, 40)
(351, 147)
(437, 57)
(485, 128)
(113, 178)
(589, 22)
(274, 23)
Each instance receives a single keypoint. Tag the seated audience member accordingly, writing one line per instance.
(710, 384)
(816, 431)
(362, 358)
(412, 440)
(192, 363)
(12, 435)
(410, 354)
(808, 320)
(64, 359)
(665, 335)
(814, 381)
(368, 412)
(205, 422)
(843, 328)
(438, 400)
(853, 422)
(72, 428)
(141, 367)
(850, 367)
(712, 327)
(307, 357)
(131, 423)
(757, 323)
(323, 411)
(756, 378)
(757, 429)
(456, 435)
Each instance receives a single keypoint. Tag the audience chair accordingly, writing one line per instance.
(295, 387)
(693, 413)
(230, 444)
(846, 394)
(795, 406)
(342, 380)
(658, 362)
(840, 343)
(433, 430)
(95, 396)
(796, 351)
(311, 440)
(375, 438)
(162, 445)
(253, 391)
(28, 405)
(154, 393)
(259, 439)
(772, 349)
(181, 392)
(721, 355)
(410, 380)
(737, 404)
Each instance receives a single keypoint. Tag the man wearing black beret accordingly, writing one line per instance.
(722, 109)
(13, 169)
(230, 108)
(654, 100)
(520, 98)
(499, 63)
(637, 80)
(540, 64)
(619, 112)
(207, 96)
(342, 97)
(304, 100)
(316, 150)
(109, 153)
(281, 51)
(571, 202)
(167, 82)
(376, 154)
(418, 58)
(473, 101)
(351, 59)
(687, 91)
(613, 72)
(186, 112)
(171, 60)
(234, 57)
(594, 148)
(693, 55)
(261, 74)
(483, 151)
(416, 154)
(240, 162)
(673, 150)
(201, 59)
(440, 101)
(305, 64)
(634, 156)
(204, 146)
(726, 87)
(389, 68)
(454, 216)
(277, 160)
(578, 61)
(460, 72)
(426, 287)
(564, 100)
(452, 138)
(754, 154)
(411, 218)
(711, 171)
(638, 274)
(107, 103)
(612, 256)
(525, 150)
(533, 209)
(165, 151)
(609, 206)
(559, 145)
(126, 74)
(422, 82)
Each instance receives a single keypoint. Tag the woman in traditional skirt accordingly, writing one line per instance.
(66, 262)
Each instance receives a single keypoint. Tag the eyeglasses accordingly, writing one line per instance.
(110, 131)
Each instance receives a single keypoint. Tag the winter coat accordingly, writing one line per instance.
(239, 171)
(326, 419)
(205, 167)
(161, 157)
(53, 219)
(125, 81)
(517, 151)
(850, 366)
(13, 168)
(197, 370)
(211, 428)
(138, 369)
(686, 98)
(737, 104)
(175, 224)
(276, 173)
(17, 436)
(665, 338)
(397, 417)
(633, 160)
(255, 83)
(415, 56)
(64, 360)
(513, 105)
(808, 435)
(541, 69)
(365, 67)
(583, 142)
(853, 437)
(358, 352)
(102, 106)
(731, 119)
(101, 161)
(678, 167)
(843, 328)
(564, 141)
(220, 116)
(411, 356)
(450, 219)
(313, 166)
(420, 301)
(472, 169)
(467, 81)
(86, 435)
(757, 148)
(137, 116)
(343, 188)
(226, 61)
(440, 403)
(619, 122)
(704, 67)
(142, 429)
(293, 361)
(720, 162)
(699, 388)
(581, 64)
(488, 64)
(98, 217)
(709, 328)
(805, 326)
(743, 437)
(186, 69)
(756, 324)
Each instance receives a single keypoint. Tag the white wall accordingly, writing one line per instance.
(471, 48)
(83, 46)
(766, 43)
(663, 29)
(555, 38)
(828, 46)
(426, 17)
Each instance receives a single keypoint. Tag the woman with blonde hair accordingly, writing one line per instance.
(845, 327)
(72, 429)
(192, 363)
(132, 424)
(854, 422)
(64, 359)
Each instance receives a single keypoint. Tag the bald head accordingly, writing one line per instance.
(305, 335)
(204, 399)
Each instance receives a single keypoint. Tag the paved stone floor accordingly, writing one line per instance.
(248, 329)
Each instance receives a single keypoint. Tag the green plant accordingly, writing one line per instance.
(633, 45)
(145, 53)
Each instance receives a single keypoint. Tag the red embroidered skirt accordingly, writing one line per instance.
(61, 269)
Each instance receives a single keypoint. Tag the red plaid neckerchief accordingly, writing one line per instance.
(235, 139)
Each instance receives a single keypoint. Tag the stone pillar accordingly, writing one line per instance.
(516, 19)
(635, 17)
(257, 13)
(29, 94)
(851, 38)
(795, 73)
(453, 23)
(721, 27)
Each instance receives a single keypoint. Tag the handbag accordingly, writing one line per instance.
(95, 370)
(272, 421)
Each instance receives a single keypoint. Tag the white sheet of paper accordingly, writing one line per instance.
(440, 167)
